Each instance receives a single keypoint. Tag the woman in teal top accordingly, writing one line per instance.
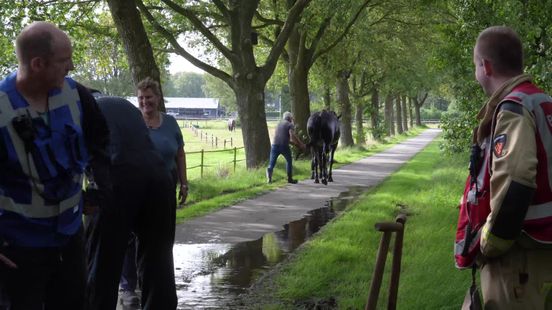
(167, 138)
(164, 132)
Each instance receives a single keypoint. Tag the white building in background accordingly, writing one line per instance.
(190, 108)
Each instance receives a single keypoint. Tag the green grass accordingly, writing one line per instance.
(338, 263)
(223, 187)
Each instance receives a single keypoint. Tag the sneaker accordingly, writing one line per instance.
(292, 181)
(129, 298)
(268, 177)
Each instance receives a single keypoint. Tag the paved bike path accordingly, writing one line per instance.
(252, 218)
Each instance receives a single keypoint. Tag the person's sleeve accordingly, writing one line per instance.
(513, 179)
(96, 137)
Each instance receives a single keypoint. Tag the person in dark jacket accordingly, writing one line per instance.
(142, 204)
(283, 136)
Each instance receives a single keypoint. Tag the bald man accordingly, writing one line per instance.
(50, 130)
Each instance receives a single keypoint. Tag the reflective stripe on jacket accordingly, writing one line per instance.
(41, 182)
(538, 218)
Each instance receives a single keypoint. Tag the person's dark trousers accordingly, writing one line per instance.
(129, 273)
(46, 278)
(275, 151)
(142, 202)
(129, 279)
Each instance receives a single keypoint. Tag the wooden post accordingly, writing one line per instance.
(378, 271)
(201, 165)
(235, 151)
(224, 143)
(387, 229)
(231, 142)
(396, 267)
(216, 142)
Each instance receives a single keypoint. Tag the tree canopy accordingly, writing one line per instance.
(301, 53)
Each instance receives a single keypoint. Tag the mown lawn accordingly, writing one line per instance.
(338, 263)
(223, 187)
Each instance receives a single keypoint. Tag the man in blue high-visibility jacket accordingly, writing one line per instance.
(51, 130)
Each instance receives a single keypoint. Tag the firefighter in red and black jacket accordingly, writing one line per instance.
(511, 191)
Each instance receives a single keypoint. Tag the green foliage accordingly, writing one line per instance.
(185, 84)
(431, 113)
(216, 88)
(464, 21)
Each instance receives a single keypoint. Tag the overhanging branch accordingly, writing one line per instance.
(201, 28)
(293, 16)
(178, 49)
(344, 33)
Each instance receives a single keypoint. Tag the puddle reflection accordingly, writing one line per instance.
(213, 275)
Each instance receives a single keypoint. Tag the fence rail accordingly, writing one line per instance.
(202, 160)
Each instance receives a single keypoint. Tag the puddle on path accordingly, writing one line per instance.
(211, 276)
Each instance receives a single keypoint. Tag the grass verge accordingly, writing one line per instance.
(336, 266)
(223, 188)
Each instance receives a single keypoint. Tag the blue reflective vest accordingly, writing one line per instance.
(41, 180)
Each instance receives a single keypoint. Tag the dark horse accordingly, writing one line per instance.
(231, 124)
(323, 130)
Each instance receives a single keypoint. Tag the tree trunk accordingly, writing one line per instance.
(418, 104)
(417, 111)
(135, 40)
(299, 92)
(410, 112)
(374, 115)
(389, 122)
(359, 108)
(342, 93)
(327, 98)
(251, 111)
(405, 113)
(399, 114)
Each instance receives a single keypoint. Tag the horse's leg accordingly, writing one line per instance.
(323, 164)
(316, 159)
(330, 179)
(313, 162)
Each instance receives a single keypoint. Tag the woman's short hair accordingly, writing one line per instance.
(151, 84)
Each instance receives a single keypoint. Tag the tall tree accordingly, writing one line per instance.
(398, 114)
(233, 21)
(342, 92)
(389, 120)
(327, 25)
(374, 114)
(405, 113)
(418, 103)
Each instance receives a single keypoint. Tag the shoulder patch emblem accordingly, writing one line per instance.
(498, 145)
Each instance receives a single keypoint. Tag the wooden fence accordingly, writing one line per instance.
(205, 137)
(202, 161)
